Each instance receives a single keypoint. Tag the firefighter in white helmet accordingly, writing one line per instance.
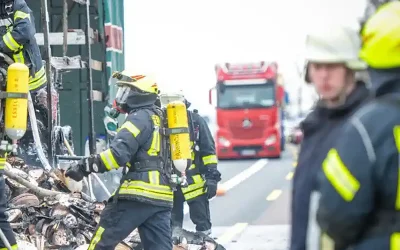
(332, 62)
(203, 175)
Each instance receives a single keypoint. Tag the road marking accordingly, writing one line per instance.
(233, 231)
(237, 179)
(289, 176)
(274, 195)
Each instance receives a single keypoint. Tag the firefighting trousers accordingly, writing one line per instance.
(119, 219)
(199, 211)
(4, 224)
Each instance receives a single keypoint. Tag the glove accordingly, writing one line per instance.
(211, 187)
(80, 169)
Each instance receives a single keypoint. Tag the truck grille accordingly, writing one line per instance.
(246, 134)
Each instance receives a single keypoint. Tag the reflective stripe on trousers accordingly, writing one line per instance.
(152, 190)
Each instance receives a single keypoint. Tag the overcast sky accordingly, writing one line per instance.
(179, 41)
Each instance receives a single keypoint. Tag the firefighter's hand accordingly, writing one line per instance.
(78, 170)
(211, 187)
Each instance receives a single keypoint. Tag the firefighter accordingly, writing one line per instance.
(332, 61)
(17, 30)
(359, 183)
(203, 175)
(144, 199)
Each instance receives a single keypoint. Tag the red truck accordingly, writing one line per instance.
(248, 110)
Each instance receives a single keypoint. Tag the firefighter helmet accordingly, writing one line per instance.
(140, 83)
(381, 37)
(334, 44)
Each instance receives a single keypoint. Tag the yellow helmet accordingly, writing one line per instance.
(141, 83)
(381, 37)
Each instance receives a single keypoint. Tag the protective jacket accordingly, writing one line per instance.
(360, 182)
(17, 29)
(138, 146)
(204, 159)
(320, 128)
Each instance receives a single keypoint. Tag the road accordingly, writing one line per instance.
(254, 212)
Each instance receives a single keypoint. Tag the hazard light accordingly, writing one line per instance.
(246, 68)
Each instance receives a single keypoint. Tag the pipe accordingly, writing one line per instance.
(36, 137)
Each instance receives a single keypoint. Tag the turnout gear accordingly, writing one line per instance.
(334, 45)
(144, 199)
(202, 170)
(17, 30)
(359, 183)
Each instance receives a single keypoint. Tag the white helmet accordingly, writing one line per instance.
(334, 43)
(171, 96)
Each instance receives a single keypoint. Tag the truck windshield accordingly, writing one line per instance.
(246, 96)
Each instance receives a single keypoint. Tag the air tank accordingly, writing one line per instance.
(180, 137)
(16, 107)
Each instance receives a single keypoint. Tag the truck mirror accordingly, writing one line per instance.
(212, 96)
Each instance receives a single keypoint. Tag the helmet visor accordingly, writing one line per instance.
(122, 95)
(168, 98)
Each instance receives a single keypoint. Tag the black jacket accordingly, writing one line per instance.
(363, 211)
(17, 29)
(321, 128)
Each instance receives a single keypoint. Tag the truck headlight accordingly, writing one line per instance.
(272, 139)
(224, 142)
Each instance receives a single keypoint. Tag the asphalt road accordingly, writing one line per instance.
(254, 212)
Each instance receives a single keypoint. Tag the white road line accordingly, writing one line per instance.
(237, 179)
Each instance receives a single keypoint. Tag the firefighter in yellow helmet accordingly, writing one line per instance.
(359, 206)
(144, 198)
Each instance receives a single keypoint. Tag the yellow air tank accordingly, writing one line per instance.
(179, 139)
(16, 110)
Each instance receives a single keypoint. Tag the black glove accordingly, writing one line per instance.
(80, 169)
(211, 187)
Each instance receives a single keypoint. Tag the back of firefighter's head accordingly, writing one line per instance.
(332, 60)
(134, 91)
(381, 40)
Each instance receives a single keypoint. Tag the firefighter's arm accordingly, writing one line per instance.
(346, 186)
(207, 150)
(130, 136)
(22, 31)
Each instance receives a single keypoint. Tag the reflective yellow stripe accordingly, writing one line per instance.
(210, 159)
(10, 42)
(395, 241)
(96, 238)
(19, 57)
(155, 142)
(108, 160)
(339, 176)
(21, 15)
(2, 163)
(149, 190)
(131, 128)
(396, 134)
(154, 177)
(13, 247)
(38, 80)
(194, 190)
(327, 243)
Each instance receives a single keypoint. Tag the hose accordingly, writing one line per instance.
(36, 137)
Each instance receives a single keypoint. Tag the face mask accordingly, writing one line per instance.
(121, 98)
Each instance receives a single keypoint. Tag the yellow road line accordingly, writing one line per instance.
(274, 195)
(231, 233)
(289, 176)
